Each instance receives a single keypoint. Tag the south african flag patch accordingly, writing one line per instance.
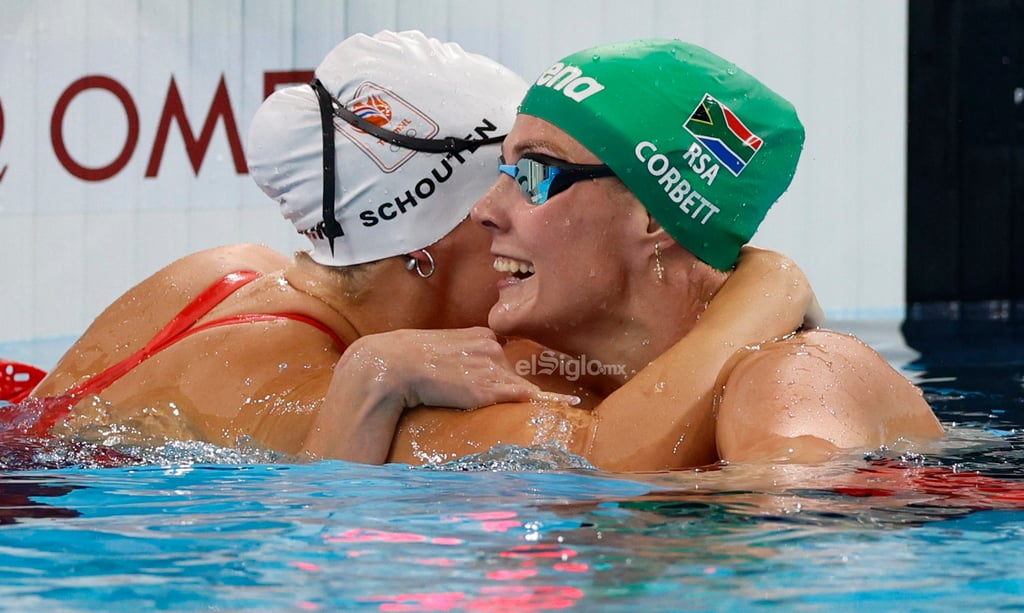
(723, 134)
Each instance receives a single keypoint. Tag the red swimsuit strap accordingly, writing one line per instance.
(193, 311)
(180, 327)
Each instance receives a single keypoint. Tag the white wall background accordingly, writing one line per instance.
(69, 247)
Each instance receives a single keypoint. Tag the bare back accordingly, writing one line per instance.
(262, 379)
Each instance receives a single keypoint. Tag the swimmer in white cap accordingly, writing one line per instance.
(241, 340)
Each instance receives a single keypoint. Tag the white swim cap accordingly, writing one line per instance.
(388, 199)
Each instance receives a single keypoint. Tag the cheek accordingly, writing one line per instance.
(479, 284)
(592, 259)
(576, 237)
(551, 232)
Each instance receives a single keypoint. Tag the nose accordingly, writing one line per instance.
(491, 211)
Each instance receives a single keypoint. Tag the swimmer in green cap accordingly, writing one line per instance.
(703, 145)
(633, 177)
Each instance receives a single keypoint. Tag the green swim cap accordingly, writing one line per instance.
(702, 144)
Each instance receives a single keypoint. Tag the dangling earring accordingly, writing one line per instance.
(413, 263)
(658, 268)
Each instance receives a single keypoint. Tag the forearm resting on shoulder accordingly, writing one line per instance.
(381, 375)
(765, 298)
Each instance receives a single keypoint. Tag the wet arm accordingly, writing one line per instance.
(815, 395)
(663, 417)
(381, 375)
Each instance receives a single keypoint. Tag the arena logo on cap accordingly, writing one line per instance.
(386, 109)
(721, 131)
(569, 80)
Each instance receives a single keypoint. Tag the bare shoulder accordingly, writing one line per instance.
(808, 396)
(207, 265)
(134, 317)
(181, 280)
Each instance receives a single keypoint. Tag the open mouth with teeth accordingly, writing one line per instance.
(516, 268)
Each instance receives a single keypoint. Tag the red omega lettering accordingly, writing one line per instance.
(57, 128)
(3, 170)
(174, 108)
(273, 78)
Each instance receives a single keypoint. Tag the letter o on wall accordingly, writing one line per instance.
(57, 128)
(1, 122)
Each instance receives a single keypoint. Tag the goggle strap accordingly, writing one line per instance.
(448, 144)
(589, 171)
(331, 228)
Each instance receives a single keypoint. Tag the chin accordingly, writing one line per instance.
(502, 320)
(501, 327)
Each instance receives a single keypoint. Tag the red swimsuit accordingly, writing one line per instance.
(181, 327)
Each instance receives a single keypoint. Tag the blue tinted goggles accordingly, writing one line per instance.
(541, 177)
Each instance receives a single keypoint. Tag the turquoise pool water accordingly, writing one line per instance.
(204, 528)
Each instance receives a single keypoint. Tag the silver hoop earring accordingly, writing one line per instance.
(658, 268)
(413, 263)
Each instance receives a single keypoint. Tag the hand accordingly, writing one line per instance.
(380, 375)
(461, 369)
(781, 274)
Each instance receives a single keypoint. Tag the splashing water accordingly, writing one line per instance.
(26, 445)
(512, 458)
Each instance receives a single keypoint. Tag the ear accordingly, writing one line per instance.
(420, 255)
(656, 233)
(420, 261)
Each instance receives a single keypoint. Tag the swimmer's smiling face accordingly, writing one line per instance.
(568, 262)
